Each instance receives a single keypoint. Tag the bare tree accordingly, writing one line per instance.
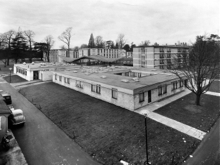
(200, 67)
(8, 36)
(49, 42)
(66, 37)
(121, 41)
(99, 42)
(30, 35)
(145, 43)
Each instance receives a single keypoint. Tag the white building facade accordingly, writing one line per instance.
(158, 57)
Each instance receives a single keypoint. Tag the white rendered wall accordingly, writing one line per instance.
(124, 100)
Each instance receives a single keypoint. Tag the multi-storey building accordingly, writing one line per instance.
(158, 57)
(107, 53)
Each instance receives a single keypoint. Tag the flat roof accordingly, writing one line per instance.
(40, 66)
(117, 80)
(164, 46)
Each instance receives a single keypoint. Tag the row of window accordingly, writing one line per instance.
(96, 88)
(176, 86)
(22, 71)
(162, 89)
(66, 80)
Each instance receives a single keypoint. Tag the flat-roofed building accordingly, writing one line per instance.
(39, 71)
(159, 57)
(128, 88)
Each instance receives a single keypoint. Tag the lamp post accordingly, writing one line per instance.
(10, 69)
(146, 162)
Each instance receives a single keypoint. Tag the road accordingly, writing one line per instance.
(208, 152)
(41, 141)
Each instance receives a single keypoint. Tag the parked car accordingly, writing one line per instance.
(6, 98)
(17, 117)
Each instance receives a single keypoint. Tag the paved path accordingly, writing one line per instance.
(28, 83)
(212, 93)
(41, 141)
(170, 122)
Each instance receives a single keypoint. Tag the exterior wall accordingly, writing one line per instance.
(157, 57)
(136, 57)
(154, 94)
(124, 100)
(45, 75)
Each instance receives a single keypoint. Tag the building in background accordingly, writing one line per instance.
(158, 57)
(57, 54)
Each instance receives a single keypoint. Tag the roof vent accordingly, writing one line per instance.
(135, 79)
(24, 63)
(74, 71)
(103, 76)
(125, 80)
(32, 63)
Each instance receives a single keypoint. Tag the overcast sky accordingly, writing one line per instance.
(161, 21)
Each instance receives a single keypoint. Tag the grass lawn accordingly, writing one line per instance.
(215, 87)
(14, 79)
(184, 110)
(107, 132)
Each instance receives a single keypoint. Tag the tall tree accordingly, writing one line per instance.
(30, 37)
(66, 38)
(29, 34)
(201, 67)
(91, 43)
(19, 46)
(84, 46)
(99, 43)
(8, 36)
(121, 41)
(49, 42)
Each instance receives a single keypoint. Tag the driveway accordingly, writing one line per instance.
(41, 141)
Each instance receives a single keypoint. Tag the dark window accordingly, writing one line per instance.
(114, 93)
(141, 97)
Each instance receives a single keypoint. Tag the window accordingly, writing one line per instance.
(165, 89)
(174, 85)
(55, 76)
(181, 83)
(68, 80)
(114, 93)
(79, 84)
(98, 89)
(141, 97)
(161, 61)
(64, 79)
(159, 90)
(60, 77)
(142, 50)
(185, 82)
(93, 88)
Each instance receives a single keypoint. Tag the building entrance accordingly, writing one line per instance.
(35, 75)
